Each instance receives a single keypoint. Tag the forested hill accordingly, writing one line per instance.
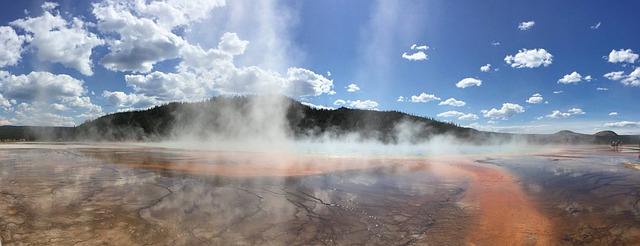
(229, 116)
(272, 117)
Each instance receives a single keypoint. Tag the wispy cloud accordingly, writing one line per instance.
(526, 25)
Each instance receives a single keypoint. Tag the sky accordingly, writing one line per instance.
(503, 66)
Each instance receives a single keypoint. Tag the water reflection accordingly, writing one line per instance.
(133, 195)
(588, 192)
(154, 196)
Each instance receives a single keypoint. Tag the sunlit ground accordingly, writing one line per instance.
(119, 194)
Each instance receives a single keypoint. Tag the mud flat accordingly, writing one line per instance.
(137, 195)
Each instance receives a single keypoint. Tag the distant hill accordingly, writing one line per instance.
(257, 115)
(273, 116)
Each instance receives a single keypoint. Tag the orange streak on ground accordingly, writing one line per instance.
(505, 214)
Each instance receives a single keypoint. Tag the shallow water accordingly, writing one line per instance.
(139, 195)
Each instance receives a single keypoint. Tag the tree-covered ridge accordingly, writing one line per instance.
(300, 121)
(273, 116)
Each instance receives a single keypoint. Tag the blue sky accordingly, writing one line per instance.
(506, 66)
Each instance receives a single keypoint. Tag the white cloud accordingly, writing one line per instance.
(366, 104)
(453, 102)
(574, 111)
(535, 98)
(124, 100)
(526, 25)
(56, 40)
(613, 114)
(530, 58)
(424, 97)
(602, 89)
(328, 74)
(615, 75)
(37, 114)
(622, 56)
(10, 46)
(459, 115)
(141, 34)
(138, 43)
(495, 43)
(4, 103)
(353, 88)
(339, 102)
(596, 26)
(508, 110)
(558, 92)
(401, 99)
(622, 124)
(418, 56)
(557, 114)
(633, 79)
(40, 86)
(467, 82)
(588, 78)
(317, 106)
(485, 68)
(572, 78)
(204, 73)
(419, 47)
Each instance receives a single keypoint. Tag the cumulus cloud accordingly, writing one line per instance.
(526, 25)
(124, 100)
(633, 79)
(37, 114)
(529, 58)
(459, 115)
(353, 88)
(417, 56)
(622, 124)
(366, 104)
(203, 73)
(615, 75)
(622, 55)
(558, 92)
(602, 89)
(339, 102)
(40, 86)
(572, 78)
(557, 114)
(485, 68)
(613, 114)
(424, 97)
(508, 110)
(535, 98)
(4, 103)
(317, 106)
(137, 43)
(10, 46)
(453, 102)
(468, 82)
(58, 40)
(401, 99)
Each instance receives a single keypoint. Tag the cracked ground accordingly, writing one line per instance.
(87, 195)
